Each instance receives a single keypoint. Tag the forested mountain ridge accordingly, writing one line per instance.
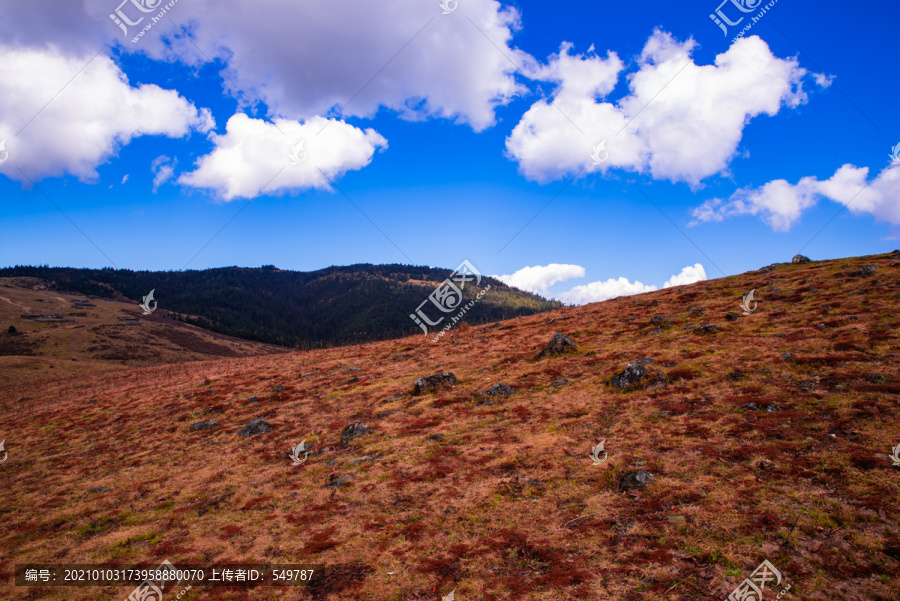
(332, 306)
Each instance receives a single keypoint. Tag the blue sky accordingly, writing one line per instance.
(722, 156)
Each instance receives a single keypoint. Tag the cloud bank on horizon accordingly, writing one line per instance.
(540, 278)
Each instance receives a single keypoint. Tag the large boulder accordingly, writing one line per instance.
(497, 390)
(428, 383)
(254, 427)
(352, 431)
(559, 344)
(205, 425)
(865, 271)
(800, 259)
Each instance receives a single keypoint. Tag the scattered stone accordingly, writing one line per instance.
(636, 480)
(559, 344)
(732, 316)
(800, 259)
(736, 376)
(449, 510)
(497, 390)
(362, 459)
(354, 369)
(253, 399)
(698, 311)
(769, 268)
(875, 378)
(773, 407)
(339, 482)
(205, 425)
(434, 437)
(485, 403)
(279, 388)
(750, 406)
(352, 380)
(254, 427)
(633, 374)
(864, 272)
(331, 462)
(786, 356)
(354, 430)
(386, 413)
(707, 329)
(657, 320)
(98, 489)
(429, 383)
(560, 382)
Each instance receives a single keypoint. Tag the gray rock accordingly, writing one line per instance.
(560, 382)
(254, 427)
(497, 390)
(643, 361)
(339, 482)
(750, 406)
(800, 259)
(98, 489)
(865, 272)
(657, 320)
(387, 413)
(786, 356)
(352, 380)
(707, 329)
(354, 430)
(205, 425)
(559, 344)
(732, 316)
(632, 375)
(279, 388)
(253, 399)
(634, 480)
(434, 437)
(736, 376)
(362, 459)
(435, 382)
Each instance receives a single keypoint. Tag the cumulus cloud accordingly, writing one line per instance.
(539, 278)
(600, 291)
(310, 58)
(687, 119)
(89, 120)
(780, 204)
(253, 151)
(689, 275)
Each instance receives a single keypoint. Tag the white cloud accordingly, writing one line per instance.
(253, 151)
(125, 179)
(689, 275)
(539, 278)
(687, 119)
(163, 169)
(88, 121)
(308, 58)
(600, 291)
(781, 204)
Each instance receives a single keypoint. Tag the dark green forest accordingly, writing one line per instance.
(328, 307)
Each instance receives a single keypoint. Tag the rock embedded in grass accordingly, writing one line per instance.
(865, 272)
(636, 480)
(339, 482)
(497, 390)
(707, 329)
(205, 425)
(800, 259)
(559, 344)
(254, 427)
(354, 430)
(634, 374)
(428, 383)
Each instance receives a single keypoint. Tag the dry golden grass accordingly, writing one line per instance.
(507, 505)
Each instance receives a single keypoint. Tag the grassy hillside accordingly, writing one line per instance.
(338, 305)
(767, 437)
(64, 333)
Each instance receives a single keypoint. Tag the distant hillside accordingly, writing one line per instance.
(334, 306)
